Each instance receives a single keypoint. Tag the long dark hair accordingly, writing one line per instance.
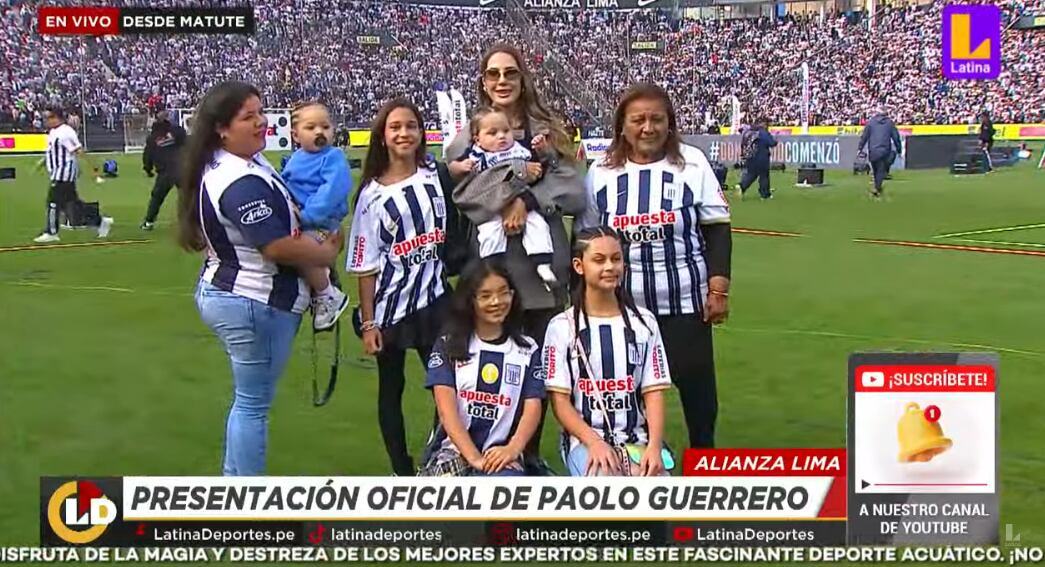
(619, 151)
(578, 289)
(377, 162)
(461, 321)
(217, 109)
(529, 100)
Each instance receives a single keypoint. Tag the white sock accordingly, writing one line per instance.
(327, 292)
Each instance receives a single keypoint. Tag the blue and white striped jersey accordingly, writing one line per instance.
(62, 143)
(627, 362)
(244, 205)
(491, 387)
(485, 160)
(658, 209)
(397, 231)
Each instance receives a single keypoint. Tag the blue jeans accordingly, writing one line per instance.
(258, 339)
(577, 461)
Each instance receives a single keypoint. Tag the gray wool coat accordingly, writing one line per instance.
(559, 192)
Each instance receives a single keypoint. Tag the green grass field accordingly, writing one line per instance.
(107, 370)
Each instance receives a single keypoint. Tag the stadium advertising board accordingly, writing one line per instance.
(277, 138)
(23, 143)
(1001, 131)
(828, 152)
(647, 45)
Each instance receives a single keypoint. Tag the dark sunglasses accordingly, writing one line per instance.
(493, 74)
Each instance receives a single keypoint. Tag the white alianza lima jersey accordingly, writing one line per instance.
(627, 360)
(658, 209)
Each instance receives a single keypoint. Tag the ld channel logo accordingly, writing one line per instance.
(971, 42)
(79, 511)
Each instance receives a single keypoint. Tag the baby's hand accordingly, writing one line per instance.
(533, 171)
(539, 143)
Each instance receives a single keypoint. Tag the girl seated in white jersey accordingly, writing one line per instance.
(493, 143)
(606, 369)
(484, 376)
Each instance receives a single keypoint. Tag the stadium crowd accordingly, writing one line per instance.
(307, 49)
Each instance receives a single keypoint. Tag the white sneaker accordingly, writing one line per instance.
(327, 309)
(546, 273)
(46, 237)
(105, 227)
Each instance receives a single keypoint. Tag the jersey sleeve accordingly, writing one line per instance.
(533, 381)
(655, 373)
(365, 254)
(556, 356)
(69, 139)
(252, 205)
(590, 216)
(713, 207)
(440, 369)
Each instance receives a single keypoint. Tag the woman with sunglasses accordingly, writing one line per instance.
(483, 374)
(507, 85)
(606, 369)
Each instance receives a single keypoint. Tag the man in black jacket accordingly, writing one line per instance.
(162, 151)
(880, 137)
(987, 138)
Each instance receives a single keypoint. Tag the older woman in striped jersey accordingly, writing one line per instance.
(666, 202)
(402, 218)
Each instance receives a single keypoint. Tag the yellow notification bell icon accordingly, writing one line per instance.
(920, 439)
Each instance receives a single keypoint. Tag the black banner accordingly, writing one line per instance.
(647, 45)
(376, 39)
(1030, 22)
(187, 20)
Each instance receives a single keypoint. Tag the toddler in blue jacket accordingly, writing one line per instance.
(319, 180)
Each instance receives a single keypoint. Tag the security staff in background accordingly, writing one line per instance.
(162, 152)
(880, 136)
(754, 146)
(987, 138)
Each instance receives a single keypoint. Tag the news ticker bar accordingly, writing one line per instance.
(733, 533)
(1011, 555)
(99, 21)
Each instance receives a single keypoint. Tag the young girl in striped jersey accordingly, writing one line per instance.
(398, 231)
(606, 369)
(485, 377)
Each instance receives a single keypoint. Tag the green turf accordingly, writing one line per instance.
(128, 381)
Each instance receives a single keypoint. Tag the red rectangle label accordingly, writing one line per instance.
(764, 462)
(925, 378)
(53, 20)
